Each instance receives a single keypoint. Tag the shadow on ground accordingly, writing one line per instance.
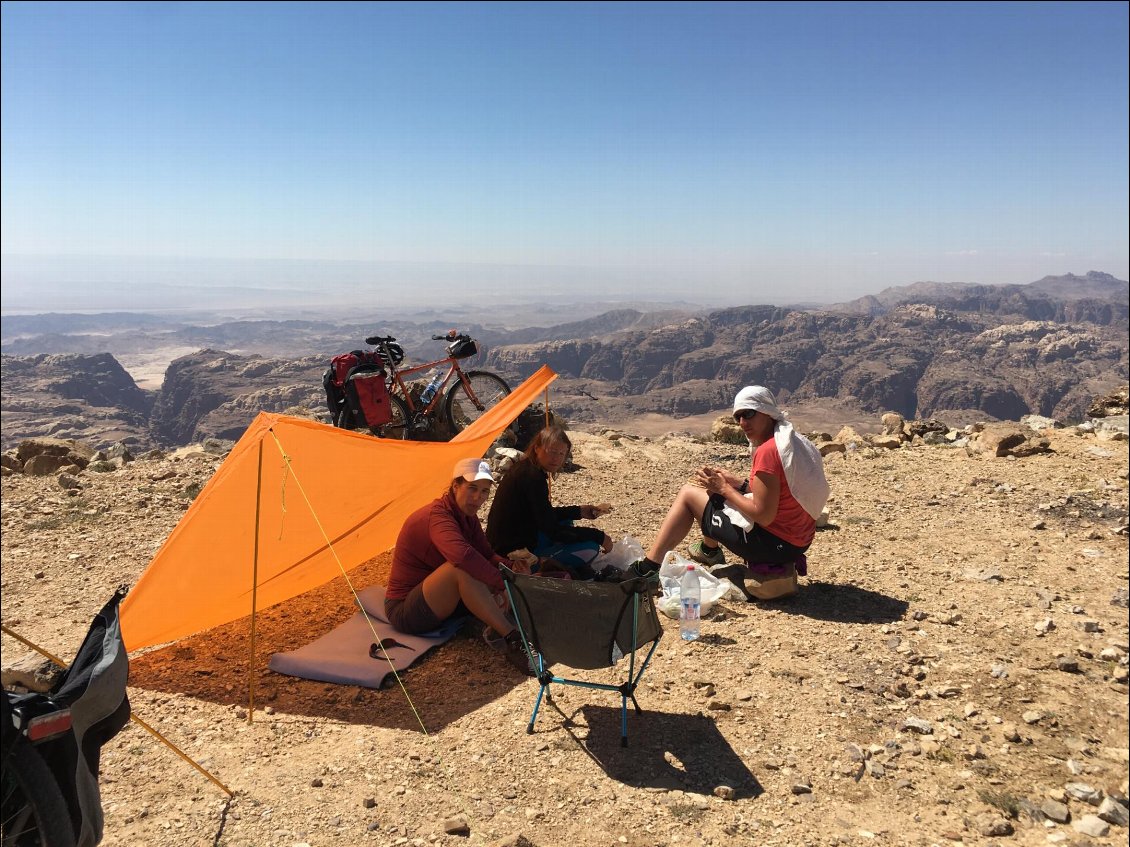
(841, 603)
(665, 750)
(445, 684)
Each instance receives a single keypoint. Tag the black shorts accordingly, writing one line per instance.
(755, 546)
(412, 615)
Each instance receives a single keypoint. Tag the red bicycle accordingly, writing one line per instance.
(464, 396)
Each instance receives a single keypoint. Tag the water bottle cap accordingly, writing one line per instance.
(690, 567)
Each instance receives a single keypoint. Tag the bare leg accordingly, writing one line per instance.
(447, 585)
(687, 508)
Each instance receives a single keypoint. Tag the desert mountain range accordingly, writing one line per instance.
(950, 350)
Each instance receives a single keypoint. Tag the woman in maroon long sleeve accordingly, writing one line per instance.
(443, 562)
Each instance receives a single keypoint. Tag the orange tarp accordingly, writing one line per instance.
(308, 486)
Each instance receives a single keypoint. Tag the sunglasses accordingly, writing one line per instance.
(742, 414)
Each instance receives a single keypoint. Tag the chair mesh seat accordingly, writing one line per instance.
(586, 626)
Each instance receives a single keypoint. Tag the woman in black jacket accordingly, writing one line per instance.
(522, 515)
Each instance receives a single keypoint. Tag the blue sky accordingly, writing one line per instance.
(712, 152)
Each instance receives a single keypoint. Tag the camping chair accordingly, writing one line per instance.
(585, 625)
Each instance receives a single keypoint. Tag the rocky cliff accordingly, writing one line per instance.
(918, 359)
(914, 359)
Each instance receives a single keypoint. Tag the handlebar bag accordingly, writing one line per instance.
(463, 348)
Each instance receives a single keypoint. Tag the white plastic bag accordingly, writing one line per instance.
(623, 554)
(671, 571)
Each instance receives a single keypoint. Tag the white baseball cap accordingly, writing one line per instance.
(472, 470)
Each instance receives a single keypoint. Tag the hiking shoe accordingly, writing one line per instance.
(611, 573)
(493, 640)
(514, 652)
(707, 555)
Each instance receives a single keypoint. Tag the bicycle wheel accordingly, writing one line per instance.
(34, 810)
(471, 397)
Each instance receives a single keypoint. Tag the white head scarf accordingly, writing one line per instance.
(803, 464)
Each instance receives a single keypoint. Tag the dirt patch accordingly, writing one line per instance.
(912, 693)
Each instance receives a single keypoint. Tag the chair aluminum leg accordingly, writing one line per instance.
(537, 705)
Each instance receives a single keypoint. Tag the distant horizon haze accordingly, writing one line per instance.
(35, 284)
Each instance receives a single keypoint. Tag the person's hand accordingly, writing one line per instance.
(606, 543)
(712, 480)
(732, 480)
(588, 512)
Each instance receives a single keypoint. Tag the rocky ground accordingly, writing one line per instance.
(954, 670)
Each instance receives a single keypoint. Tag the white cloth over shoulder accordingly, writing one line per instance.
(803, 464)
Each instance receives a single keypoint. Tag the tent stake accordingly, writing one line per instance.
(254, 590)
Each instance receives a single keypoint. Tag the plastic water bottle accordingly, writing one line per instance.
(690, 597)
(432, 387)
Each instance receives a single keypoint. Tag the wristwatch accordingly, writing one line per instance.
(745, 486)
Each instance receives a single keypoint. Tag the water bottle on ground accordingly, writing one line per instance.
(432, 387)
(690, 598)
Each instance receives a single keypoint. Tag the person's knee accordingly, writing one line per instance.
(693, 499)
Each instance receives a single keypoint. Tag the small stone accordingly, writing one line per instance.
(801, 788)
(1031, 717)
(724, 791)
(1011, 733)
(1083, 792)
(1091, 825)
(1090, 626)
(456, 825)
(370, 803)
(993, 827)
(970, 710)
(917, 725)
(999, 671)
(1075, 768)
(1067, 665)
(1111, 811)
(1054, 811)
(315, 783)
(1045, 626)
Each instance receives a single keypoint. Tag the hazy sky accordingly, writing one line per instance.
(730, 153)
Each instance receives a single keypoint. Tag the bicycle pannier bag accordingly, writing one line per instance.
(367, 397)
(356, 381)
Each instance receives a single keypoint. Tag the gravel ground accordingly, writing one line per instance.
(912, 693)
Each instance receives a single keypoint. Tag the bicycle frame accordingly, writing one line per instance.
(398, 381)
